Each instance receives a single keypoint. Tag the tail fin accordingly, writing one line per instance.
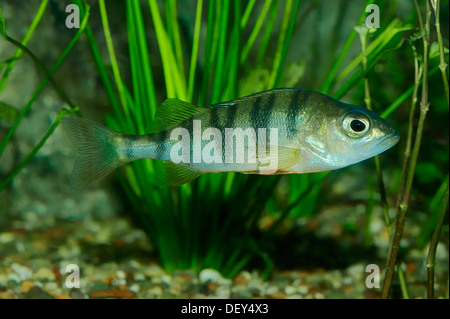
(97, 150)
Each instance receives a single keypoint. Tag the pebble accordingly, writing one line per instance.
(118, 279)
(213, 275)
(12, 276)
(37, 293)
(76, 293)
(23, 272)
(223, 292)
(134, 288)
(44, 274)
(112, 293)
(319, 295)
(240, 280)
(271, 290)
(26, 285)
(138, 277)
(289, 290)
(25, 275)
(154, 292)
(303, 289)
(7, 295)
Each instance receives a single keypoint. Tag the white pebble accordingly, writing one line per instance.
(134, 288)
(289, 290)
(13, 277)
(23, 272)
(271, 290)
(212, 275)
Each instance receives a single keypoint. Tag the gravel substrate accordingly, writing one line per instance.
(116, 260)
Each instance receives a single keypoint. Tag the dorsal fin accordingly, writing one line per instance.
(172, 112)
(249, 97)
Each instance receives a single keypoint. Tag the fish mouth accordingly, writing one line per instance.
(389, 140)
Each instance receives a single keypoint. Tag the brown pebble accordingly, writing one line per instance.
(212, 286)
(348, 289)
(108, 280)
(112, 293)
(183, 277)
(7, 295)
(240, 280)
(372, 294)
(26, 285)
(278, 295)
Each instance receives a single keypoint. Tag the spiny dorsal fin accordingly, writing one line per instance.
(172, 112)
(248, 97)
(171, 174)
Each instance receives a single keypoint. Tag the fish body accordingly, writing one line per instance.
(280, 131)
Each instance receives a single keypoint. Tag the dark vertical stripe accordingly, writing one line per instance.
(214, 120)
(267, 111)
(254, 112)
(298, 101)
(231, 116)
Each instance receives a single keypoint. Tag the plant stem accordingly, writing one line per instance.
(412, 167)
(442, 65)
(433, 245)
(26, 38)
(284, 40)
(112, 57)
(401, 278)
(194, 54)
(414, 99)
(258, 25)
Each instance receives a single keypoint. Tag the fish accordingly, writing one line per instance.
(278, 131)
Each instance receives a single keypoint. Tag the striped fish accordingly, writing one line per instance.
(280, 131)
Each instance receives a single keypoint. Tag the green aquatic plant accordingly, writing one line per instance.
(209, 222)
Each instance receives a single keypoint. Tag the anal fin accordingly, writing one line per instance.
(171, 174)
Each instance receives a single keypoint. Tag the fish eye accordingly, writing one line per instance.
(356, 124)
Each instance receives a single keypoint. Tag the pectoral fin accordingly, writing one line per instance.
(287, 157)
